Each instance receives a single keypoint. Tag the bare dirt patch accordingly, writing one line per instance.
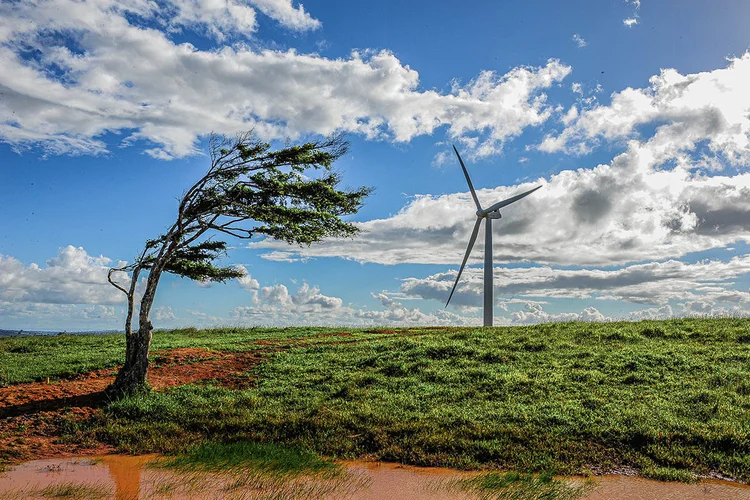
(31, 413)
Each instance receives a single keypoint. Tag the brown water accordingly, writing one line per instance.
(127, 477)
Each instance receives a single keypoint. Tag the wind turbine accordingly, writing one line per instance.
(487, 214)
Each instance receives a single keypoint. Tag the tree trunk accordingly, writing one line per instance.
(132, 377)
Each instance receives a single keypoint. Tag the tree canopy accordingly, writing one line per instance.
(289, 194)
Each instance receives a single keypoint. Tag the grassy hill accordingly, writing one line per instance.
(668, 398)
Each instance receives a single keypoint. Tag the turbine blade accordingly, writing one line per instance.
(468, 179)
(507, 202)
(472, 239)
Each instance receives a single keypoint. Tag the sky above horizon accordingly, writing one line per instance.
(634, 117)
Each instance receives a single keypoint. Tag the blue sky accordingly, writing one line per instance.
(632, 115)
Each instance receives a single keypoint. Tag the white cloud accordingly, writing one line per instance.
(104, 66)
(613, 214)
(633, 20)
(246, 281)
(275, 305)
(534, 313)
(163, 313)
(219, 18)
(652, 202)
(72, 277)
(285, 13)
(570, 115)
(396, 313)
(58, 317)
(72, 290)
(579, 41)
(663, 312)
(711, 107)
(222, 18)
(708, 281)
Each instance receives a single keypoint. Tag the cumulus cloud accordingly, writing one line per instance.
(535, 313)
(611, 215)
(72, 277)
(663, 312)
(163, 313)
(72, 289)
(219, 18)
(654, 201)
(246, 281)
(711, 107)
(223, 18)
(285, 13)
(709, 281)
(307, 306)
(58, 317)
(75, 70)
(579, 41)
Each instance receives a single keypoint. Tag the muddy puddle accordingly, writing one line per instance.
(128, 477)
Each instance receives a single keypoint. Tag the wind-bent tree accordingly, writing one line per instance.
(248, 190)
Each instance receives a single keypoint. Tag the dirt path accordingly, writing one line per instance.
(31, 413)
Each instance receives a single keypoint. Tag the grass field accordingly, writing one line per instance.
(669, 398)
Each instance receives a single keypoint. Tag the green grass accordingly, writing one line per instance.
(34, 358)
(515, 486)
(670, 398)
(73, 490)
(266, 457)
(245, 467)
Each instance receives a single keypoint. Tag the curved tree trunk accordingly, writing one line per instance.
(132, 377)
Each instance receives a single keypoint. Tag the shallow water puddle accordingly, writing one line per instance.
(637, 488)
(127, 477)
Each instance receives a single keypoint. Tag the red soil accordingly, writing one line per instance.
(31, 413)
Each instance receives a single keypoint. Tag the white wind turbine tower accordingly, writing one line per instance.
(487, 214)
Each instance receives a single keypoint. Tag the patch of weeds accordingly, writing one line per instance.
(516, 486)
(652, 332)
(266, 457)
(254, 485)
(165, 488)
(669, 474)
(74, 490)
(247, 469)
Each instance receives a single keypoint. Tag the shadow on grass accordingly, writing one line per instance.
(92, 400)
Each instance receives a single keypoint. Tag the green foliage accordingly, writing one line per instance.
(274, 190)
(195, 262)
(250, 190)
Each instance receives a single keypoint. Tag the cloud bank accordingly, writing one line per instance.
(75, 70)
(671, 192)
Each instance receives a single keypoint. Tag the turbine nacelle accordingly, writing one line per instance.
(490, 215)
